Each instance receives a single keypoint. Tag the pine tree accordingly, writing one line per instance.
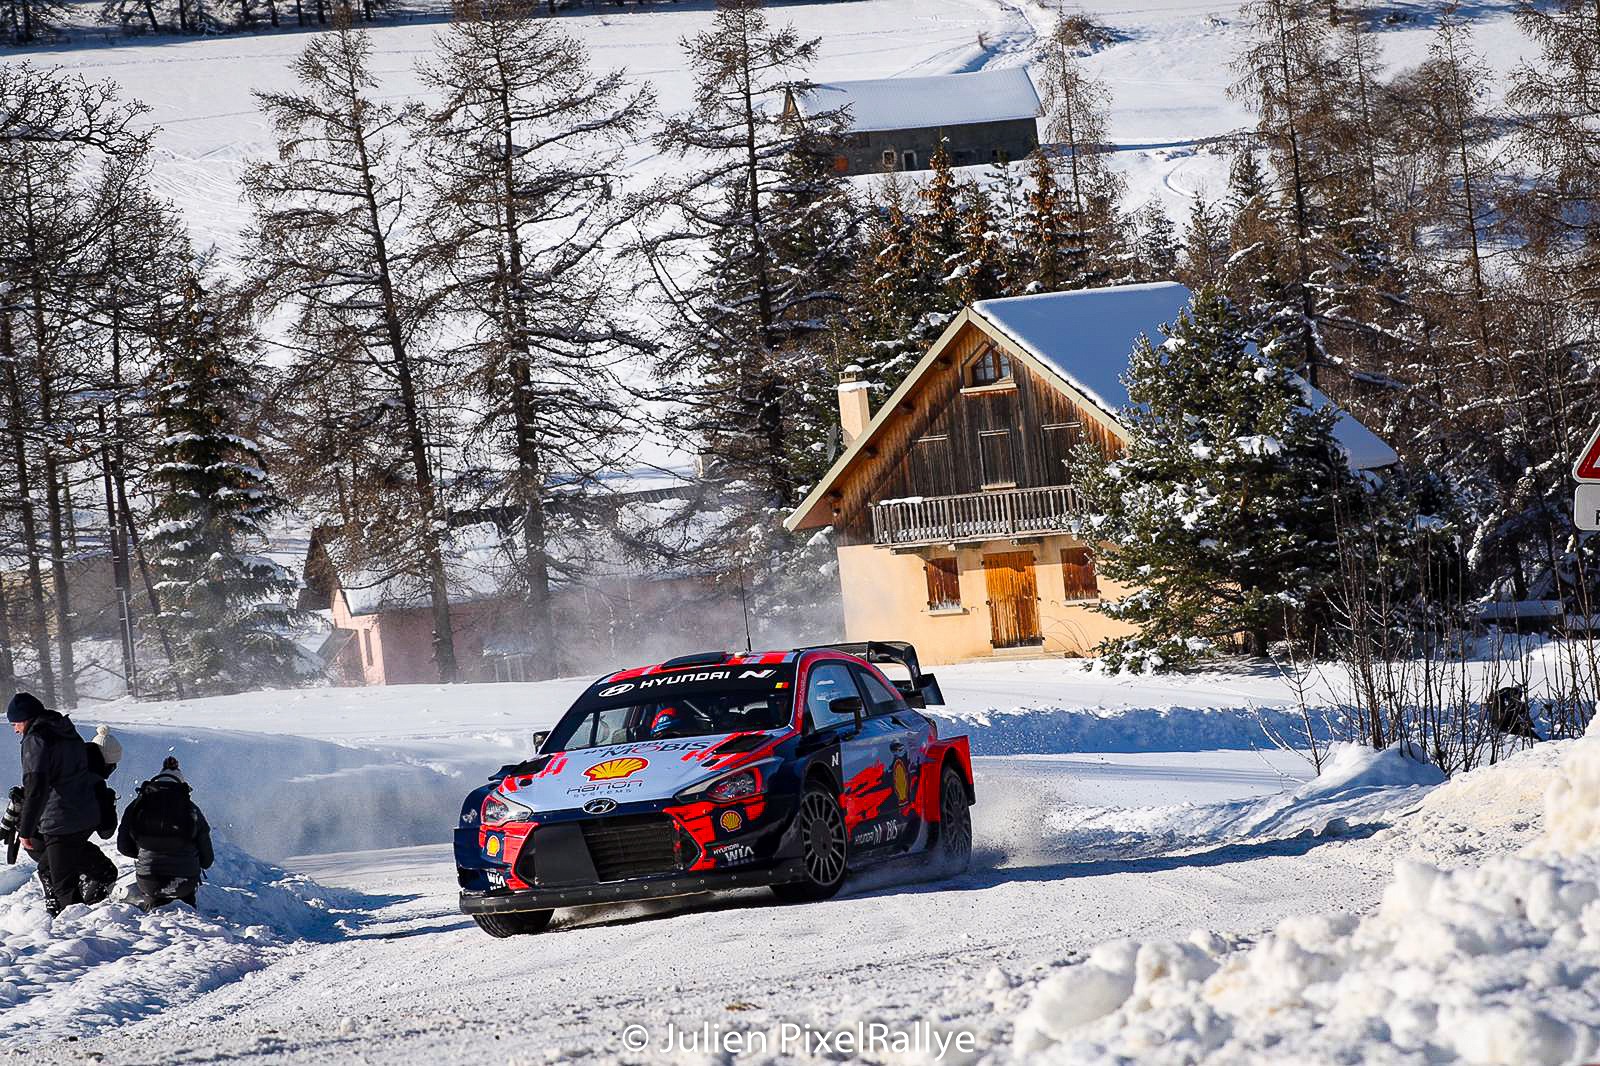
(1203, 258)
(333, 245)
(523, 156)
(1044, 233)
(747, 274)
(1223, 510)
(898, 305)
(222, 598)
(1155, 248)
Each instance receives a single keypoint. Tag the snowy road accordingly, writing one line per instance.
(417, 982)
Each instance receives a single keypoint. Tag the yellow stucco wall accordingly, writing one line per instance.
(886, 598)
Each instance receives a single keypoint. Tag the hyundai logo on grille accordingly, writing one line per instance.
(600, 806)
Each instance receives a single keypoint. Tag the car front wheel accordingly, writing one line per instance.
(823, 849)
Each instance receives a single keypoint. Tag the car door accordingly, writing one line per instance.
(864, 755)
(903, 735)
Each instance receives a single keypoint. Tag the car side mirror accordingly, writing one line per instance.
(539, 738)
(847, 705)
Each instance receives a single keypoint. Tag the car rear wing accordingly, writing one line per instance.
(921, 690)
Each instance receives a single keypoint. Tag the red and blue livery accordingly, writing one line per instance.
(717, 771)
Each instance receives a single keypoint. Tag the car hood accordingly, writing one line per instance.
(626, 773)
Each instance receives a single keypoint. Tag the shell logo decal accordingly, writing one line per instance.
(616, 769)
(902, 782)
(730, 821)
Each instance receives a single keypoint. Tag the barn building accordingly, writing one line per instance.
(894, 124)
(951, 505)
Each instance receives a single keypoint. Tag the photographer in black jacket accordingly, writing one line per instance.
(59, 806)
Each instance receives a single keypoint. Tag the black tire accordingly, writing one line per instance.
(952, 843)
(824, 848)
(514, 923)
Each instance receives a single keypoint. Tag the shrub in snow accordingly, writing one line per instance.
(1486, 964)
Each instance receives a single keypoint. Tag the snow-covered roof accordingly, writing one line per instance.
(919, 103)
(1087, 335)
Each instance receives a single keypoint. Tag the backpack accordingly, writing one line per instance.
(164, 811)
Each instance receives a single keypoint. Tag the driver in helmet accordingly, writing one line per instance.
(666, 719)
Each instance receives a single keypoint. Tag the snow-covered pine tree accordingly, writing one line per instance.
(896, 303)
(1223, 509)
(1043, 234)
(335, 243)
(1155, 243)
(748, 280)
(524, 154)
(223, 600)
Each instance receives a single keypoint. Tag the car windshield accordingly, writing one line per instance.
(687, 714)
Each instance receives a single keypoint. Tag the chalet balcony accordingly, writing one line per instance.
(974, 516)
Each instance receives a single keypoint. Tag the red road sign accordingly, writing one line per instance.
(1587, 468)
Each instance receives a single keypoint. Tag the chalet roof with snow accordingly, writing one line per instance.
(1001, 95)
(1078, 343)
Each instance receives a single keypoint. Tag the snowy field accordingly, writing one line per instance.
(1168, 71)
(347, 946)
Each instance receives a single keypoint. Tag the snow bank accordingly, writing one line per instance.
(1482, 964)
(1049, 730)
(109, 964)
(284, 795)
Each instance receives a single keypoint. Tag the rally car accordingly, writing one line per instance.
(719, 771)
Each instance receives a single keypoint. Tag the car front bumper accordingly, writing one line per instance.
(503, 901)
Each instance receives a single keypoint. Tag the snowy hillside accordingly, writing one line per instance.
(1167, 69)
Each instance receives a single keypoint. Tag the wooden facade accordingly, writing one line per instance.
(954, 438)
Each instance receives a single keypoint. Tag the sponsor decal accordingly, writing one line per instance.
(879, 833)
(600, 806)
(493, 846)
(732, 853)
(902, 782)
(757, 674)
(731, 821)
(616, 690)
(604, 786)
(616, 769)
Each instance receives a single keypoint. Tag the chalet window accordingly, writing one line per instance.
(994, 452)
(909, 161)
(1077, 574)
(944, 584)
(990, 368)
(1060, 439)
(930, 461)
(888, 159)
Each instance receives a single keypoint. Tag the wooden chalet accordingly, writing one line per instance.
(951, 505)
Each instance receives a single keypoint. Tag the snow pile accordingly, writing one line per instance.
(1036, 730)
(1483, 964)
(94, 967)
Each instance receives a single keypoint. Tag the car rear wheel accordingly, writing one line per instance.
(515, 923)
(823, 850)
(952, 847)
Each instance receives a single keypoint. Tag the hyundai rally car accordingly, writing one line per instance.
(718, 771)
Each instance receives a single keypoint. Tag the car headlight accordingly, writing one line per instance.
(497, 810)
(738, 785)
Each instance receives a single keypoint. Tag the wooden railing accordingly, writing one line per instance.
(974, 516)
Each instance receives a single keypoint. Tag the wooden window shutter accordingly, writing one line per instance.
(994, 458)
(1077, 574)
(944, 583)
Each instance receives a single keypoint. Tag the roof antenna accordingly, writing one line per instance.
(744, 608)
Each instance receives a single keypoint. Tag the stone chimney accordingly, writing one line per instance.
(855, 403)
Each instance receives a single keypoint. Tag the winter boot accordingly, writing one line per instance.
(91, 891)
(51, 906)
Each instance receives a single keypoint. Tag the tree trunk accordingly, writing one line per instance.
(38, 626)
(8, 664)
(119, 565)
(58, 580)
(433, 521)
(529, 484)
